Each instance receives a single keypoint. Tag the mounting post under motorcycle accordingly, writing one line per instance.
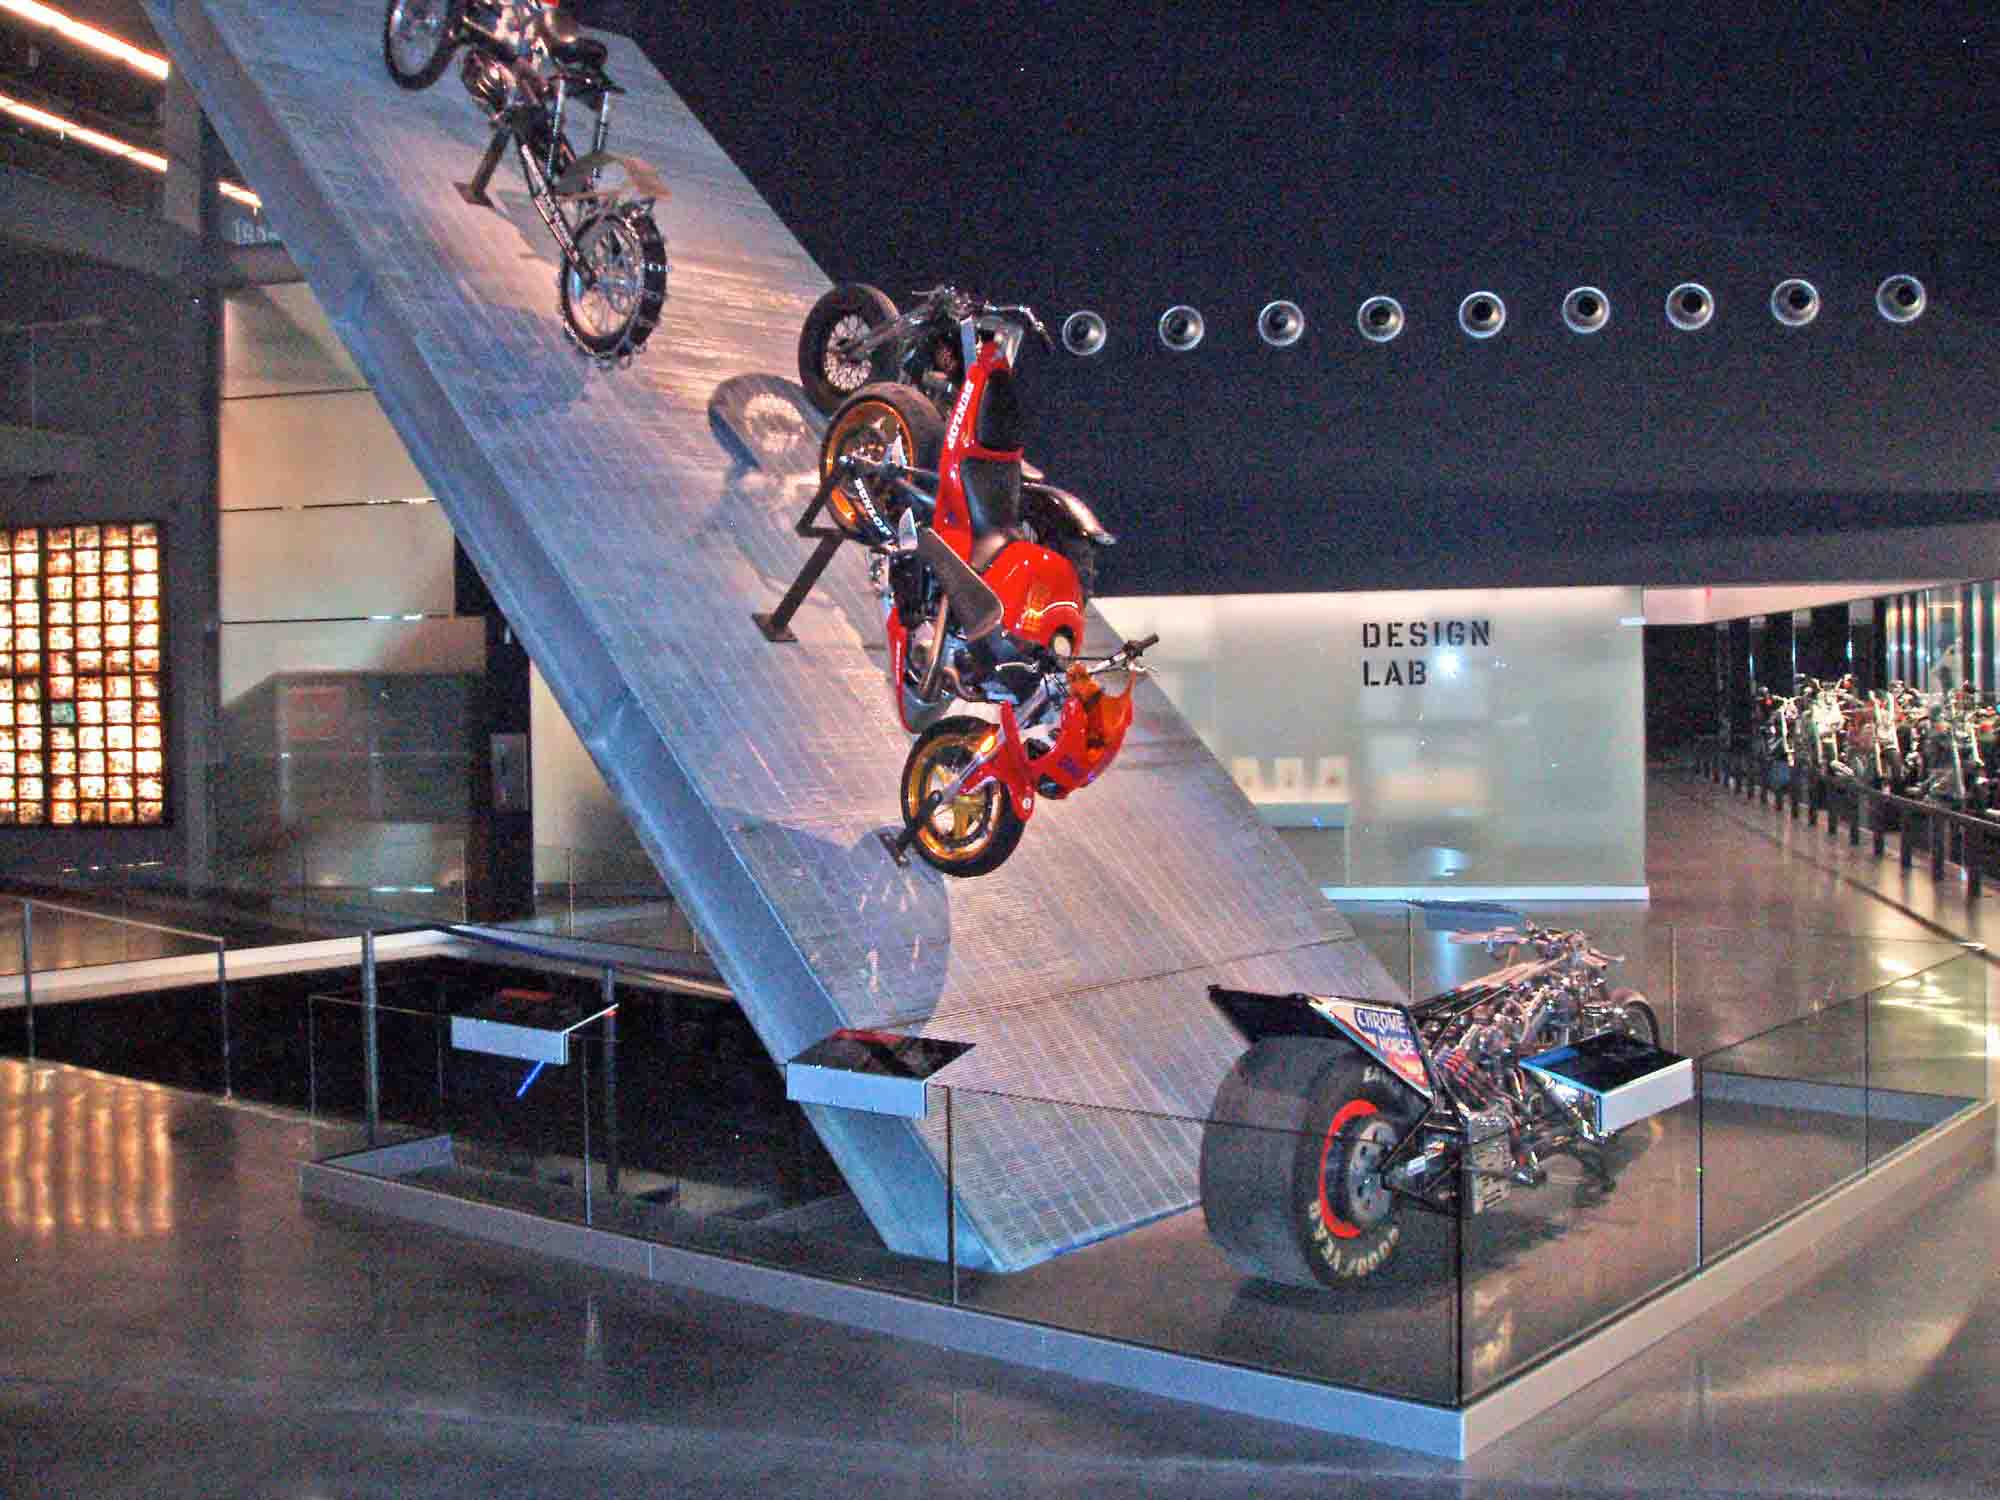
(474, 192)
(777, 624)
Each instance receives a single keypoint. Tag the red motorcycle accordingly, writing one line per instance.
(983, 577)
(969, 787)
(982, 599)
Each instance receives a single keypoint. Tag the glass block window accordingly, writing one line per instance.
(82, 714)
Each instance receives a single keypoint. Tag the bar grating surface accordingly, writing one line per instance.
(628, 522)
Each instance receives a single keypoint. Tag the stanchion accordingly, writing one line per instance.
(28, 972)
(1937, 847)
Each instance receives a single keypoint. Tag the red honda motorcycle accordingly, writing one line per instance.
(981, 600)
(983, 577)
(969, 787)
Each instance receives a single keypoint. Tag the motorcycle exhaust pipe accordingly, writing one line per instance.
(1795, 302)
(1181, 328)
(1901, 299)
(1281, 324)
(1380, 319)
(1586, 310)
(1084, 333)
(1482, 314)
(1690, 306)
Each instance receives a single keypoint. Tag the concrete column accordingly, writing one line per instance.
(181, 200)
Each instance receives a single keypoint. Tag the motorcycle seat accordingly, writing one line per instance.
(989, 546)
(568, 45)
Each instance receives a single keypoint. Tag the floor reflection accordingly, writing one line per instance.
(83, 1159)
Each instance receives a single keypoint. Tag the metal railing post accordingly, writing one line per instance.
(28, 971)
(222, 1000)
(583, 1083)
(950, 1199)
(610, 1080)
(371, 1056)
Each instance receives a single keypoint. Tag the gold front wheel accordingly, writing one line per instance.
(974, 832)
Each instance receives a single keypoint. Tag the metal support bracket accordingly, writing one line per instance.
(776, 624)
(474, 192)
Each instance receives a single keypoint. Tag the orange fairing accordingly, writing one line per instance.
(1041, 593)
(1093, 728)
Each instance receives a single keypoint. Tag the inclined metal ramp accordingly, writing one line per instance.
(630, 522)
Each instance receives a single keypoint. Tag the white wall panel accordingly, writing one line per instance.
(336, 448)
(276, 341)
(1456, 739)
(336, 562)
(574, 809)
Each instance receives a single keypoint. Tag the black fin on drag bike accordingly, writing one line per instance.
(973, 601)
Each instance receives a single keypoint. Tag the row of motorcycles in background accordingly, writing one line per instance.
(983, 567)
(1936, 747)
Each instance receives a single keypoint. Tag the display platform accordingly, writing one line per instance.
(629, 532)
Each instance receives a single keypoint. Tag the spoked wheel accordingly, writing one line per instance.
(877, 422)
(971, 834)
(610, 316)
(418, 39)
(846, 312)
(1291, 1163)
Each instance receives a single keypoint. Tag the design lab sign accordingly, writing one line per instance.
(1405, 636)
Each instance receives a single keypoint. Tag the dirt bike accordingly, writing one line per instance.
(987, 594)
(854, 337)
(1342, 1111)
(525, 62)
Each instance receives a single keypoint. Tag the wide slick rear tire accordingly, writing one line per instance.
(418, 39)
(1291, 1184)
(972, 834)
(847, 311)
(877, 422)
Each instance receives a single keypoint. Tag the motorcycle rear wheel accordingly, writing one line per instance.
(877, 422)
(972, 834)
(418, 39)
(1640, 1023)
(1291, 1186)
(1054, 530)
(847, 311)
(612, 316)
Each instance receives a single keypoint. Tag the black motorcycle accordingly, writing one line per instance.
(854, 336)
(525, 62)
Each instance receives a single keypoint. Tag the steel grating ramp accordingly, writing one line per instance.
(629, 522)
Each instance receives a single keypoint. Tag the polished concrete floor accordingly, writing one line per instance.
(176, 1321)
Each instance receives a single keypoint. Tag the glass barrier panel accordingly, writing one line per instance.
(409, 1075)
(1734, 985)
(1035, 1178)
(1576, 1239)
(1927, 1051)
(1784, 1119)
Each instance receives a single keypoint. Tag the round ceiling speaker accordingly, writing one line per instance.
(1586, 310)
(1181, 328)
(1482, 314)
(1795, 302)
(1380, 319)
(1281, 324)
(1084, 333)
(1901, 299)
(1689, 306)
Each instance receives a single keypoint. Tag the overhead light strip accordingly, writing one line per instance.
(151, 64)
(110, 145)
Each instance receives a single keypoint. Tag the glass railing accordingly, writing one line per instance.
(1817, 1059)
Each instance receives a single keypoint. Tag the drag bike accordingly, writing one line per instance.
(983, 575)
(525, 64)
(1343, 1111)
(854, 337)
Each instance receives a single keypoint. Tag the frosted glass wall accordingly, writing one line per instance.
(1425, 743)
